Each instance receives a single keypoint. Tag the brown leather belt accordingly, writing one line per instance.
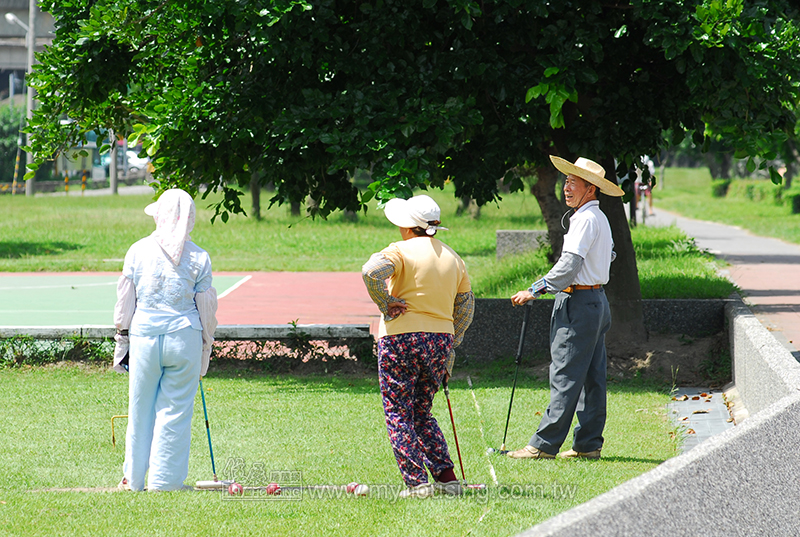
(576, 287)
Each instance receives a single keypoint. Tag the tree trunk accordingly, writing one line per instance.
(791, 165)
(719, 164)
(725, 164)
(623, 290)
(295, 208)
(255, 193)
(552, 207)
(469, 206)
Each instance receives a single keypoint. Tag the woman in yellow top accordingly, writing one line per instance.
(426, 308)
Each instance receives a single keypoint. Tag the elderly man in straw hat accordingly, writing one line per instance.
(579, 322)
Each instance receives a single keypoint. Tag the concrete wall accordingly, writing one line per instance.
(764, 371)
(740, 482)
(495, 331)
(513, 242)
(13, 49)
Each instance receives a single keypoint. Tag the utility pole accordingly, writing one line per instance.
(30, 38)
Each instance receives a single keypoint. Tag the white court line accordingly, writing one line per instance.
(234, 287)
(63, 285)
(480, 418)
(22, 310)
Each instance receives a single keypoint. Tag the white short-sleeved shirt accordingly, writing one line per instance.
(165, 292)
(589, 236)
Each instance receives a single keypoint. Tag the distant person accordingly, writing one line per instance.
(643, 188)
(165, 320)
(580, 319)
(426, 308)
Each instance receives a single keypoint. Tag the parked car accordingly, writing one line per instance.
(135, 162)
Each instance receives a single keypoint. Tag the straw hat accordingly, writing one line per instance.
(590, 171)
(420, 211)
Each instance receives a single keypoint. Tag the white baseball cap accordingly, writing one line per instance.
(420, 211)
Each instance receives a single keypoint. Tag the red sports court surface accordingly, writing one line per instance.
(77, 298)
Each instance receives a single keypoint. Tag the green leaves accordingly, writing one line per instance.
(303, 93)
(555, 94)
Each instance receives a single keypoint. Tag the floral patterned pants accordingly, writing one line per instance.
(410, 368)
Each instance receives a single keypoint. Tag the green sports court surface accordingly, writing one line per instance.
(66, 299)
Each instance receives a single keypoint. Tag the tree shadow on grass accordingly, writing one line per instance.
(18, 249)
(484, 251)
(628, 460)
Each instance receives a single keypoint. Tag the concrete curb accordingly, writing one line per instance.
(765, 370)
(739, 482)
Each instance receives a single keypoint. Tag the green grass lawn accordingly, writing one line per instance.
(93, 233)
(57, 434)
(327, 429)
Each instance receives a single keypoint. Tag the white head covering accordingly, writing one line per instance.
(174, 215)
(420, 211)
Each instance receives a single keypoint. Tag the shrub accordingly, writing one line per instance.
(26, 350)
(756, 190)
(719, 187)
(793, 200)
(10, 122)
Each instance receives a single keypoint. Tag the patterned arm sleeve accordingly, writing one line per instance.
(375, 272)
(463, 312)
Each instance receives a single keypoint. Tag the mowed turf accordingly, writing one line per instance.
(329, 430)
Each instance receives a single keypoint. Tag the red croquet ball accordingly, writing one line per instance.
(235, 489)
(351, 487)
(273, 489)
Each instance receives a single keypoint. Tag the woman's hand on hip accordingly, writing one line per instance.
(396, 309)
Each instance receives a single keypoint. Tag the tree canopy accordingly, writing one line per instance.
(301, 93)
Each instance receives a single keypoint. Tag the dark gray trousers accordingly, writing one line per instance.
(577, 372)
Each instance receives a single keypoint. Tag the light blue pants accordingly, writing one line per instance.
(164, 375)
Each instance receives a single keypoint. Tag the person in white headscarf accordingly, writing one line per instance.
(165, 318)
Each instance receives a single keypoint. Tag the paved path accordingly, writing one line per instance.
(767, 271)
